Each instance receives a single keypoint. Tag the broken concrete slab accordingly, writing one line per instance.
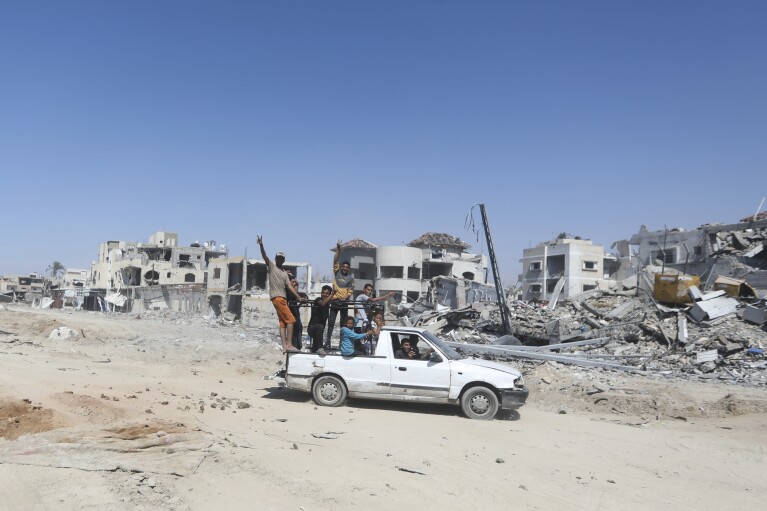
(623, 309)
(755, 314)
(63, 332)
(555, 295)
(707, 356)
(713, 308)
(697, 296)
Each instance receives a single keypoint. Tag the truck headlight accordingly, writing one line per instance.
(519, 382)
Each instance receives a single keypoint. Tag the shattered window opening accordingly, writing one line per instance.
(589, 287)
(535, 266)
(666, 256)
(391, 272)
(431, 270)
(151, 277)
(366, 271)
(413, 272)
(189, 277)
(590, 265)
(217, 273)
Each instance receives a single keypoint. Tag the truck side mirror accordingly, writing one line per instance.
(434, 357)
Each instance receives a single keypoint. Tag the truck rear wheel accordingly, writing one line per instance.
(479, 403)
(329, 391)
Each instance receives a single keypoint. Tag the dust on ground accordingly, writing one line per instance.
(180, 413)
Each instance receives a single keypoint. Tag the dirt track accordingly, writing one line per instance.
(177, 414)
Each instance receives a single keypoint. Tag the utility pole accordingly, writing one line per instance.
(505, 314)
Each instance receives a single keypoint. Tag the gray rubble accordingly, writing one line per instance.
(708, 339)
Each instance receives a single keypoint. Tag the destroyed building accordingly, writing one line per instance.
(408, 270)
(710, 251)
(703, 315)
(74, 277)
(135, 276)
(8, 283)
(564, 267)
(22, 287)
(237, 287)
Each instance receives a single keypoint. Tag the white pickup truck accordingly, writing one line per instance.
(438, 374)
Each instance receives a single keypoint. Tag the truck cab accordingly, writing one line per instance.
(431, 373)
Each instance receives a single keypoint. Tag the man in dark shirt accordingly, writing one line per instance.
(298, 329)
(320, 311)
(407, 350)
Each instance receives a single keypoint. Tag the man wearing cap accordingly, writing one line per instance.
(279, 285)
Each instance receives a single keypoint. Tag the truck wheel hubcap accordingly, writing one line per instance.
(480, 404)
(328, 391)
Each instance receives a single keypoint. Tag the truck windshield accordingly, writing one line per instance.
(449, 352)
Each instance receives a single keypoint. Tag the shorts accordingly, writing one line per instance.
(283, 312)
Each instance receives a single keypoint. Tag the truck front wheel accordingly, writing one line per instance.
(329, 391)
(479, 403)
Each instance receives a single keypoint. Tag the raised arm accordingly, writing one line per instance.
(336, 256)
(384, 297)
(263, 252)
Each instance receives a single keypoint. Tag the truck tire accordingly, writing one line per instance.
(329, 391)
(479, 403)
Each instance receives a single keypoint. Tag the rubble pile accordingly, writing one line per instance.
(746, 243)
(620, 331)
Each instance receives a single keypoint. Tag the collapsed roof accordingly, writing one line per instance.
(438, 240)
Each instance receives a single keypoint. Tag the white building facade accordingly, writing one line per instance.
(581, 265)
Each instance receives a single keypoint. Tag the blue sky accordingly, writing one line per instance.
(307, 122)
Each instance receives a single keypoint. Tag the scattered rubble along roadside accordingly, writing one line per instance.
(714, 337)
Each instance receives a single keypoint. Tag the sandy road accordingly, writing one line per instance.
(176, 414)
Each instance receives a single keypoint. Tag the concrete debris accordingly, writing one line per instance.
(713, 308)
(707, 356)
(715, 337)
(755, 314)
(63, 332)
(116, 299)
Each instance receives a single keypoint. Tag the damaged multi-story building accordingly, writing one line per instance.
(135, 276)
(237, 285)
(408, 270)
(564, 267)
(736, 250)
(238, 288)
(436, 264)
(435, 268)
(22, 287)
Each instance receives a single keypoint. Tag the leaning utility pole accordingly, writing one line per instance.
(505, 314)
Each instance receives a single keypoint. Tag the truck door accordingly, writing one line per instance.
(419, 377)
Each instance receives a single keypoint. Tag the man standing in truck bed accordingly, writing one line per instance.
(279, 285)
(319, 317)
(343, 287)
